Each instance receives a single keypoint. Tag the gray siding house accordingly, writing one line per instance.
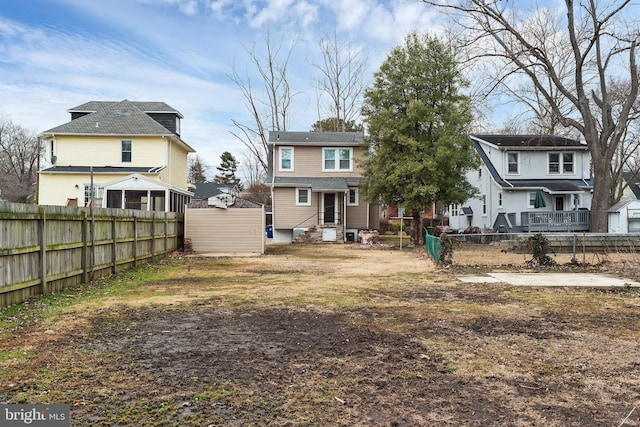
(527, 183)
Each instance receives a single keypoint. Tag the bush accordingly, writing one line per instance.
(539, 247)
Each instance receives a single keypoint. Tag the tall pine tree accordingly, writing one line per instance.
(227, 171)
(419, 150)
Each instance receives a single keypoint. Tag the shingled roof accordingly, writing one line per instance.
(314, 138)
(147, 107)
(521, 141)
(114, 118)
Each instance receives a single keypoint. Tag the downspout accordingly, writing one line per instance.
(345, 196)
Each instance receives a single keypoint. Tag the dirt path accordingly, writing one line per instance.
(330, 336)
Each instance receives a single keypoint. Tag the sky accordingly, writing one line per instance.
(58, 54)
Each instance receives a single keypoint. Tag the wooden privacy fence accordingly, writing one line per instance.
(44, 249)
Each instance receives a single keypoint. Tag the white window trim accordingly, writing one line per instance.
(485, 209)
(122, 150)
(308, 203)
(337, 159)
(355, 189)
(549, 164)
(500, 199)
(573, 163)
(531, 196)
(517, 164)
(561, 170)
(455, 209)
(280, 168)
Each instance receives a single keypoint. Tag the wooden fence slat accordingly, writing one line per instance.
(47, 248)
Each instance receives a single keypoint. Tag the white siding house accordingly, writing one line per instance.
(527, 183)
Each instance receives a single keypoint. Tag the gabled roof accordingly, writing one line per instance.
(316, 138)
(147, 107)
(120, 118)
(551, 186)
(204, 190)
(633, 180)
(515, 142)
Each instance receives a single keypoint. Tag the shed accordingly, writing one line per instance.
(624, 217)
(237, 226)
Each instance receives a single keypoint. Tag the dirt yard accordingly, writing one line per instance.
(329, 335)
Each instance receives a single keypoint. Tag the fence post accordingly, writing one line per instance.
(85, 251)
(166, 232)
(153, 237)
(135, 241)
(42, 240)
(114, 244)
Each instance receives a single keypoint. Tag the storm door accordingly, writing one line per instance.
(329, 208)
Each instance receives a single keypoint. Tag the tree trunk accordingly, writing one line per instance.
(601, 195)
(415, 227)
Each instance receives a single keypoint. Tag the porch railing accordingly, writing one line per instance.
(555, 221)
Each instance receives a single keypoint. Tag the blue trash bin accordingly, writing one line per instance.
(269, 231)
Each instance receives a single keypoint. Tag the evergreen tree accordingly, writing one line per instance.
(419, 150)
(227, 171)
(197, 170)
(333, 124)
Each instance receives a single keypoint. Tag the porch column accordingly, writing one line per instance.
(167, 206)
(122, 198)
(148, 200)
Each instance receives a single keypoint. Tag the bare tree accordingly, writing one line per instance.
(20, 151)
(268, 102)
(253, 171)
(341, 82)
(603, 50)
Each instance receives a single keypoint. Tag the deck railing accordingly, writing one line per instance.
(555, 221)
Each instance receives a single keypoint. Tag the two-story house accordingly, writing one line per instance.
(117, 155)
(528, 183)
(314, 181)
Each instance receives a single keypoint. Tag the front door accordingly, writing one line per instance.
(329, 208)
(559, 202)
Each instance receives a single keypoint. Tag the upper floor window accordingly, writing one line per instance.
(484, 204)
(455, 209)
(560, 163)
(567, 162)
(126, 151)
(286, 158)
(512, 163)
(500, 199)
(352, 199)
(336, 159)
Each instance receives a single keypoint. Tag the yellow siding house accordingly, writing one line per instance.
(117, 155)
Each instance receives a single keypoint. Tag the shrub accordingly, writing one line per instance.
(539, 247)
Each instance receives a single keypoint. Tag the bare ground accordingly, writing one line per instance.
(330, 336)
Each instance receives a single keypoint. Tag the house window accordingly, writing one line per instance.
(500, 199)
(479, 173)
(560, 162)
(512, 163)
(554, 163)
(567, 162)
(455, 209)
(286, 158)
(303, 196)
(484, 204)
(96, 195)
(336, 159)
(126, 151)
(532, 200)
(352, 199)
(53, 152)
